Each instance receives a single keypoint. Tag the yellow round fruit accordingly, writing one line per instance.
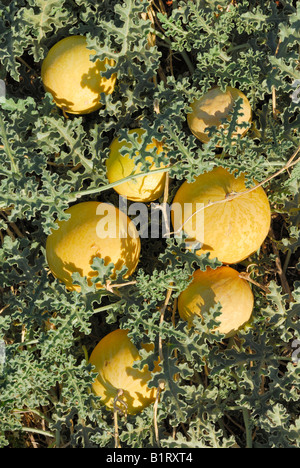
(74, 81)
(113, 358)
(211, 287)
(93, 230)
(141, 189)
(229, 230)
(215, 105)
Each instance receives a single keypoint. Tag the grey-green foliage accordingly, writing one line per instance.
(218, 393)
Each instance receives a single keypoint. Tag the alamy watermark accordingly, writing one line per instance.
(2, 90)
(165, 220)
(2, 353)
(296, 353)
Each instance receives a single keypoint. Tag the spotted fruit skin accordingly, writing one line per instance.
(232, 230)
(215, 105)
(113, 358)
(142, 189)
(210, 287)
(74, 81)
(73, 246)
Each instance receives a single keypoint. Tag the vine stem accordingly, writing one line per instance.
(291, 162)
(37, 431)
(289, 253)
(118, 399)
(34, 411)
(246, 276)
(20, 59)
(76, 195)
(161, 384)
(169, 291)
(246, 417)
(287, 261)
(169, 44)
(245, 412)
(162, 314)
(159, 389)
(274, 90)
(280, 271)
(81, 193)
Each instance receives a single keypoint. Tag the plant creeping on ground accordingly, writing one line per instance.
(210, 390)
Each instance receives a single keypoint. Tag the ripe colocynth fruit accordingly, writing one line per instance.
(93, 230)
(142, 189)
(211, 287)
(113, 358)
(74, 81)
(215, 105)
(233, 229)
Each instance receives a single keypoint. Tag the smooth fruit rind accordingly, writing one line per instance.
(74, 81)
(215, 105)
(74, 245)
(231, 230)
(210, 287)
(113, 359)
(141, 189)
